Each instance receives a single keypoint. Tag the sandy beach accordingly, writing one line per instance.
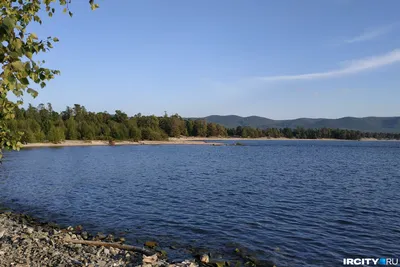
(179, 141)
(121, 143)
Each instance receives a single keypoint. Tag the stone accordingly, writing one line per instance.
(151, 244)
(41, 244)
(113, 251)
(205, 258)
(2, 232)
(110, 238)
(150, 259)
(85, 235)
(100, 236)
(78, 228)
(98, 253)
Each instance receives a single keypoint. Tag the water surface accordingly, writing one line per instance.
(293, 203)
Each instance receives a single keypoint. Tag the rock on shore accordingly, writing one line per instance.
(24, 242)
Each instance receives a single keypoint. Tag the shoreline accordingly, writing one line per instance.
(185, 141)
(71, 143)
(26, 241)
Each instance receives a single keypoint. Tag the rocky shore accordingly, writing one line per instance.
(25, 242)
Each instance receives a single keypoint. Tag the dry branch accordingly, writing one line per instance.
(114, 245)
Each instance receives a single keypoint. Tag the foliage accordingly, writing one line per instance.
(76, 123)
(56, 134)
(21, 73)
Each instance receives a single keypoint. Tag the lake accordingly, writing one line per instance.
(292, 203)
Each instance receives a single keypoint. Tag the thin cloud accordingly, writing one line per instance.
(371, 34)
(349, 67)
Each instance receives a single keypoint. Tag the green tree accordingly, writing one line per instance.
(105, 131)
(40, 136)
(120, 116)
(200, 128)
(28, 136)
(152, 135)
(134, 132)
(190, 127)
(239, 130)
(212, 129)
(71, 129)
(56, 134)
(287, 132)
(20, 72)
(87, 131)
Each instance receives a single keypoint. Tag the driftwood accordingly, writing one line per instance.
(114, 245)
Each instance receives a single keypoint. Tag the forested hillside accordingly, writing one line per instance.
(43, 124)
(367, 124)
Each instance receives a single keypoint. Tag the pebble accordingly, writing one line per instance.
(101, 236)
(26, 243)
(85, 235)
(2, 232)
(205, 258)
(150, 259)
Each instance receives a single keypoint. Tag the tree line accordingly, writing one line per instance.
(43, 124)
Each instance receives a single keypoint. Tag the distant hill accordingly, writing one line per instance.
(367, 124)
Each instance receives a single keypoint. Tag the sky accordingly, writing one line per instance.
(277, 59)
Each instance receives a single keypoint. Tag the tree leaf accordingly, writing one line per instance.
(94, 6)
(17, 65)
(17, 44)
(9, 23)
(32, 92)
(11, 79)
(24, 81)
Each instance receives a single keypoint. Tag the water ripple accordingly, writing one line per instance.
(290, 203)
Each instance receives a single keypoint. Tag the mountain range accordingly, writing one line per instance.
(366, 124)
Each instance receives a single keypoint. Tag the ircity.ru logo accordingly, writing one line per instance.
(371, 261)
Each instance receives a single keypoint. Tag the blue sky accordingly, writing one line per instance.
(278, 59)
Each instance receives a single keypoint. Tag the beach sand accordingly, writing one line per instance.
(178, 141)
(68, 143)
